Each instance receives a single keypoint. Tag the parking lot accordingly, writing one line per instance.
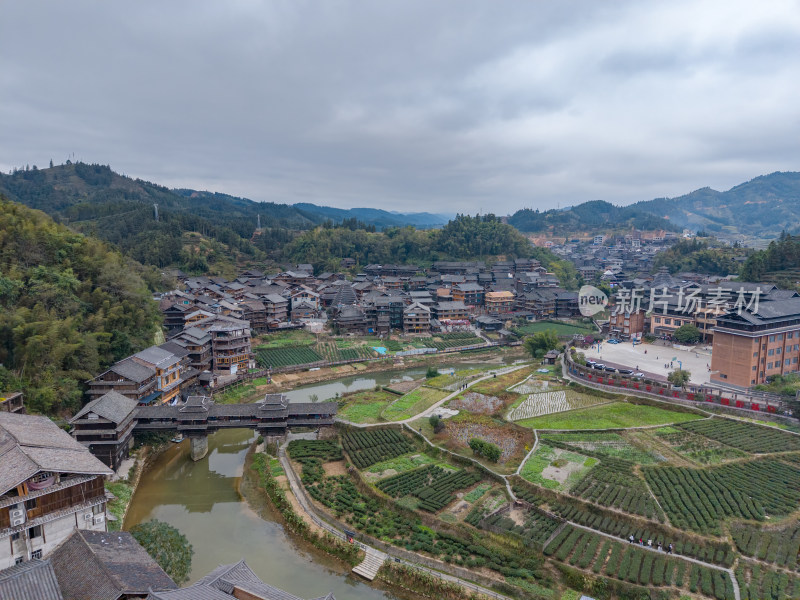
(651, 359)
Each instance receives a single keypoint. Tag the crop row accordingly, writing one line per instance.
(433, 485)
(369, 447)
(613, 483)
(546, 403)
(699, 498)
(745, 436)
(717, 552)
(634, 564)
(287, 356)
(302, 450)
(365, 513)
(332, 353)
(758, 583)
(536, 528)
(776, 546)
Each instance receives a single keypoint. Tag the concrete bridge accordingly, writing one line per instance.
(200, 415)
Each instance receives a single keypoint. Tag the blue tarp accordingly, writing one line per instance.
(379, 349)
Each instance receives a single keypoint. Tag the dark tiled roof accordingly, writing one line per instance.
(29, 444)
(157, 356)
(130, 369)
(30, 580)
(103, 565)
(112, 406)
(220, 585)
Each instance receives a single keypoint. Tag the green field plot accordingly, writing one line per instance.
(334, 352)
(613, 483)
(699, 499)
(285, 356)
(375, 445)
(535, 530)
(617, 415)
(554, 468)
(325, 450)
(365, 406)
(433, 485)
(605, 443)
(696, 447)
(494, 386)
(561, 329)
(412, 403)
(295, 337)
(745, 436)
(550, 402)
(445, 341)
(401, 464)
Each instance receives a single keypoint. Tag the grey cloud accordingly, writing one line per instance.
(407, 105)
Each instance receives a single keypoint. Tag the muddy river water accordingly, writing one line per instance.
(205, 500)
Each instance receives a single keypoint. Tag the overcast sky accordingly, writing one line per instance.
(410, 105)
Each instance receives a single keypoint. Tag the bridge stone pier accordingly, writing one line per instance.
(199, 447)
(271, 417)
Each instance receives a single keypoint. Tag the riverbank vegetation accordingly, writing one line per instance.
(349, 553)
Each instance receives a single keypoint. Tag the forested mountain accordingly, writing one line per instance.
(204, 232)
(596, 216)
(701, 256)
(763, 207)
(381, 219)
(779, 263)
(70, 305)
(464, 238)
(96, 200)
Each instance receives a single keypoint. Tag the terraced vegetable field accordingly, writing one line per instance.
(285, 357)
(433, 485)
(745, 436)
(325, 450)
(375, 445)
(605, 443)
(546, 403)
(365, 406)
(696, 447)
(698, 499)
(554, 468)
(617, 415)
(779, 546)
(627, 562)
(612, 483)
(412, 403)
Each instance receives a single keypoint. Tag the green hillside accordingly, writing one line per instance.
(595, 216)
(761, 207)
(70, 305)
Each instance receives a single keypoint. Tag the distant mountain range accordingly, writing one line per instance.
(761, 208)
(596, 216)
(381, 219)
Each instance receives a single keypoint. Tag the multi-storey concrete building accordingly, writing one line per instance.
(752, 345)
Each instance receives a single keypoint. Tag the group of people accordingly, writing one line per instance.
(632, 540)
